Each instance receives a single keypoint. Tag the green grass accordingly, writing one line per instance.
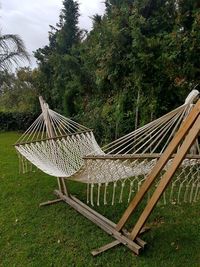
(58, 236)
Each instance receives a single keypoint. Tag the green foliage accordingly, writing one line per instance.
(17, 91)
(138, 62)
(59, 62)
(12, 51)
(68, 34)
(10, 121)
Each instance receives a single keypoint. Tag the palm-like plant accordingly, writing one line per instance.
(12, 50)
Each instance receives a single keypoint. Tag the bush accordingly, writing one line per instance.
(12, 121)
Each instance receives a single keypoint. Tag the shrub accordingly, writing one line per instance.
(12, 121)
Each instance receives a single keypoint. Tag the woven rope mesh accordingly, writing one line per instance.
(63, 148)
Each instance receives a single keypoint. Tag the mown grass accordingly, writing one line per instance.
(58, 236)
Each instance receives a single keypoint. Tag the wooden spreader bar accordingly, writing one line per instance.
(52, 138)
(183, 140)
(136, 156)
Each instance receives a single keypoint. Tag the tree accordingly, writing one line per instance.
(12, 51)
(17, 91)
(138, 62)
(60, 63)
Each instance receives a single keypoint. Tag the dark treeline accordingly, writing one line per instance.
(139, 61)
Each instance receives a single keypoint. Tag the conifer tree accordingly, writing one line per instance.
(56, 60)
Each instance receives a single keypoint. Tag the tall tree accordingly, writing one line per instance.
(138, 62)
(69, 33)
(59, 61)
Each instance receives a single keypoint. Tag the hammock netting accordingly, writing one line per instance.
(63, 148)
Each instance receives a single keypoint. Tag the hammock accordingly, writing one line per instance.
(63, 148)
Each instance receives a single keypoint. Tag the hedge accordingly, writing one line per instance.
(16, 121)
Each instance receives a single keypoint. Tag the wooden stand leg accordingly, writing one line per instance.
(50, 202)
(64, 187)
(182, 132)
(191, 125)
(59, 184)
(61, 188)
(99, 220)
(189, 140)
(115, 243)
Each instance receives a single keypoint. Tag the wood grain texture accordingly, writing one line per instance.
(183, 130)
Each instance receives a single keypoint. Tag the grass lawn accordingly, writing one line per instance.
(58, 236)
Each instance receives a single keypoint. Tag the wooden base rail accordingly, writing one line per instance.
(101, 221)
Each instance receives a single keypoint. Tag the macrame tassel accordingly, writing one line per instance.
(30, 167)
(130, 191)
(98, 194)
(196, 193)
(88, 193)
(191, 192)
(59, 185)
(121, 193)
(139, 185)
(91, 194)
(26, 166)
(105, 194)
(20, 163)
(179, 193)
(23, 165)
(113, 195)
(186, 193)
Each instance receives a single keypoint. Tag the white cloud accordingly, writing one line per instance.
(31, 18)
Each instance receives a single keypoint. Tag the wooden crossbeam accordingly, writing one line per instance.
(99, 220)
(135, 156)
(183, 130)
(115, 243)
(53, 138)
(112, 244)
(189, 140)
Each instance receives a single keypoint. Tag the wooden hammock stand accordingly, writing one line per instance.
(183, 139)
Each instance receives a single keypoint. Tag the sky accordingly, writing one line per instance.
(31, 19)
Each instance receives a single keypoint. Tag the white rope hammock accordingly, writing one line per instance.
(63, 148)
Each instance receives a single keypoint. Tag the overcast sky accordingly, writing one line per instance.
(31, 18)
